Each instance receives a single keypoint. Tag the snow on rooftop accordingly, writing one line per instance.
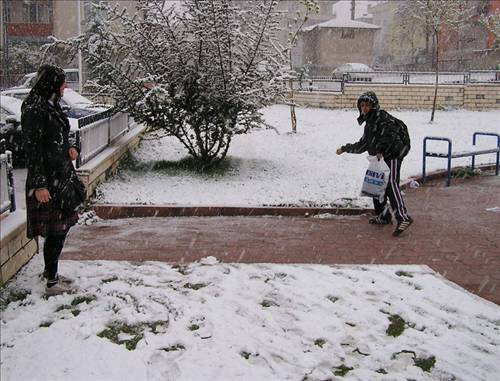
(344, 23)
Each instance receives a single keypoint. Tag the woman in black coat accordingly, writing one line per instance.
(48, 160)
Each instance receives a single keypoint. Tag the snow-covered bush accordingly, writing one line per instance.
(199, 71)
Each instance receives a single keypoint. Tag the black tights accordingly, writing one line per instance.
(51, 251)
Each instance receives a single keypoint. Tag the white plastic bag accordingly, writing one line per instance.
(376, 178)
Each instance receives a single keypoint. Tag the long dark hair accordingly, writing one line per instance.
(49, 80)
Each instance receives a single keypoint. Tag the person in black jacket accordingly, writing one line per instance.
(384, 138)
(48, 162)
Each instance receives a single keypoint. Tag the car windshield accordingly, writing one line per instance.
(73, 98)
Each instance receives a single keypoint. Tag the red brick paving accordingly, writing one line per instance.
(453, 233)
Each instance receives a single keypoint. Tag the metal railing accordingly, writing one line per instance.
(96, 132)
(7, 193)
(397, 77)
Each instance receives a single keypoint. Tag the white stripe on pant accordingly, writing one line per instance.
(400, 211)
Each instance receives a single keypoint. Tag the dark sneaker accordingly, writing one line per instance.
(378, 220)
(402, 226)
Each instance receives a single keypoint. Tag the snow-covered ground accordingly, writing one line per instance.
(273, 167)
(214, 321)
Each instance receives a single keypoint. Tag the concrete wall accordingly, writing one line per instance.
(15, 248)
(471, 97)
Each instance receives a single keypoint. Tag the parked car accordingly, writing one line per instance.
(353, 71)
(10, 124)
(72, 79)
(71, 99)
(10, 128)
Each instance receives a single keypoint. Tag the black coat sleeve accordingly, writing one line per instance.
(32, 125)
(358, 147)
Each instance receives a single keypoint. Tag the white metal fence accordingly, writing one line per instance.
(397, 77)
(96, 132)
(7, 197)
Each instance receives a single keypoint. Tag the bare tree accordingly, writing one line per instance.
(492, 24)
(301, 18)
(435, 15)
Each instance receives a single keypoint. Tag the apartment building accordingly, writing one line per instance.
(27, 24)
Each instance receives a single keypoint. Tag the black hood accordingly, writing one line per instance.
(49, 80)
(370, 97)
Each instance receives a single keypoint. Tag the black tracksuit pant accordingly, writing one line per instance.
(52, 248)
(393, 193)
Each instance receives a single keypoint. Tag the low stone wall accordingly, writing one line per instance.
(471, 97)
(15, 248)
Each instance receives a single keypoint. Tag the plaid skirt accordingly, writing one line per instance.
(45, 219)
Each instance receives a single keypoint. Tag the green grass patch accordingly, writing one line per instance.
(246, 355)
(404, 273)
(341, 370)
(45, 324)
(83, 299)
(465, 172)
(109, 280)
(173, 348)
(397, 326)
(8, 295)
(190, 165)
(194, 327)
(425, 363)
(268, 303)
(134, 331)
(63, 307)
(320, 342)
(195, 286)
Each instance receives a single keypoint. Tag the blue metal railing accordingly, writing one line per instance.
(450, 155)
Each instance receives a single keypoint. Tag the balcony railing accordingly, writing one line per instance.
(96, 132)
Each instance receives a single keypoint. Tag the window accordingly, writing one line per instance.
(71, 76)
(37, 12)
(347, 33)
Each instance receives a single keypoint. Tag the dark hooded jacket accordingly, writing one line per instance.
(382, 132)
(46, 143)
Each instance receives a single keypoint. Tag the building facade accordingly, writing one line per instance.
(335, 42)
(26, 25)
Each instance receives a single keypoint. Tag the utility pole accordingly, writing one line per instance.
(353, 9)
(4, 43)
(79, 20)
